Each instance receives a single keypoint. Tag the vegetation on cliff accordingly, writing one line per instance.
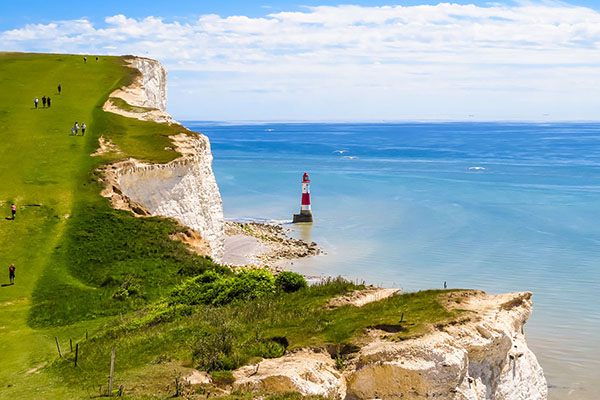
(97, 277)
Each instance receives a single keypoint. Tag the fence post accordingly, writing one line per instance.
(112, 370)
(76, 353)
(58, 346)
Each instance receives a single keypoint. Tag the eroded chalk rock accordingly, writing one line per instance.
(306, 372)
(482, 355)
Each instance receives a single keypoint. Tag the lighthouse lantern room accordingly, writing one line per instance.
(305, 211)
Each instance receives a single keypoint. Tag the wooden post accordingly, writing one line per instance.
(402, 317)
(71, 343)
(76, 353)
(86, 335)
(58, 346)
(112, 370)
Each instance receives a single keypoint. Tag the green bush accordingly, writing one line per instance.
(269, 349)
(290, 282)
(198, 290)
(215, 289)
(247, 285)
(214, 347)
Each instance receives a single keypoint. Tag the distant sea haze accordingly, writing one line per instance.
(493, 206)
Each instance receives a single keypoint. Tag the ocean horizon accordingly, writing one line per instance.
(496, 206)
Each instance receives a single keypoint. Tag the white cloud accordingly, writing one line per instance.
(439, 53)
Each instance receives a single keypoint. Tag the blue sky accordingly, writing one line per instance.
(17, 13)
(325, 60)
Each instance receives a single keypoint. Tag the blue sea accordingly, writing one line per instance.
(405, 206)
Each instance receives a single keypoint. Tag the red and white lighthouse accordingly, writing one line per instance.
(305, 211)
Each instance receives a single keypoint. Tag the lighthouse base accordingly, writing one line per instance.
(304, 216)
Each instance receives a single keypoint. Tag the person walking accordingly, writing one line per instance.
(13, 209)
(76, 128)
(72, 131)
(43, 101)
(85, 60)
(11, 274)
(59, 88)
(48, 101)
(83, 128)
(35, 102)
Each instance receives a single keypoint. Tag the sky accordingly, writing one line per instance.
(324, 60)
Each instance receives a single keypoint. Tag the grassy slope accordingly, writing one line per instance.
(73, 252)
(60, 244)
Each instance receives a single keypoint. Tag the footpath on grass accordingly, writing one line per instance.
(49, 175)
(41, 168)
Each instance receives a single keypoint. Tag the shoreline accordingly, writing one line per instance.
(264, 245)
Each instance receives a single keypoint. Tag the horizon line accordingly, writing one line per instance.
(384, 121)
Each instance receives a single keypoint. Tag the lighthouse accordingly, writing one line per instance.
(305, 212)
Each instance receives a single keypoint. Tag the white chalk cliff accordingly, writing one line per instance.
(482, 357)
(185, 188)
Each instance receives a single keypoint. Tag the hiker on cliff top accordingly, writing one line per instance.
(13, 209)
(48, 101)
(85, 59)
(11, 274)
(76, 128)
(44, 101)
(83, 126)
(59, 88)
(35, 102)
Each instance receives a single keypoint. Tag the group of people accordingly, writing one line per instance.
(75, 129)
(45, 101)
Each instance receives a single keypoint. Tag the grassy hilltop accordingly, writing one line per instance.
(82, 266)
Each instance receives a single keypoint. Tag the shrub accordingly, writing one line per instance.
(268, 349)
(290, 282)
(214, 347)
(253, 284)
(212, 288)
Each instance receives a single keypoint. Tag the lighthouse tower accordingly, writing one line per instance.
(305, 212)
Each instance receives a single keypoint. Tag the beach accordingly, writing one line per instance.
(264, 245)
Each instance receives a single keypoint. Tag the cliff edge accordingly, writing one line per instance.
(185, 188)
(483, 355)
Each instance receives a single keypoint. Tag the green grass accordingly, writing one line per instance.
(237, 333)
(71, 250)
(84, 267)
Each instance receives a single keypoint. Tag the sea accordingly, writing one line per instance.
(500, 207)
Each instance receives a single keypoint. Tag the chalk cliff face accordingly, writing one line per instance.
(185, 188)
(484, 357)
(153, 83)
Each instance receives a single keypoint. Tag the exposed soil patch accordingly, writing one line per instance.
(359, 298)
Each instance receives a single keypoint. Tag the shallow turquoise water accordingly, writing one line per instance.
(408, 212)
